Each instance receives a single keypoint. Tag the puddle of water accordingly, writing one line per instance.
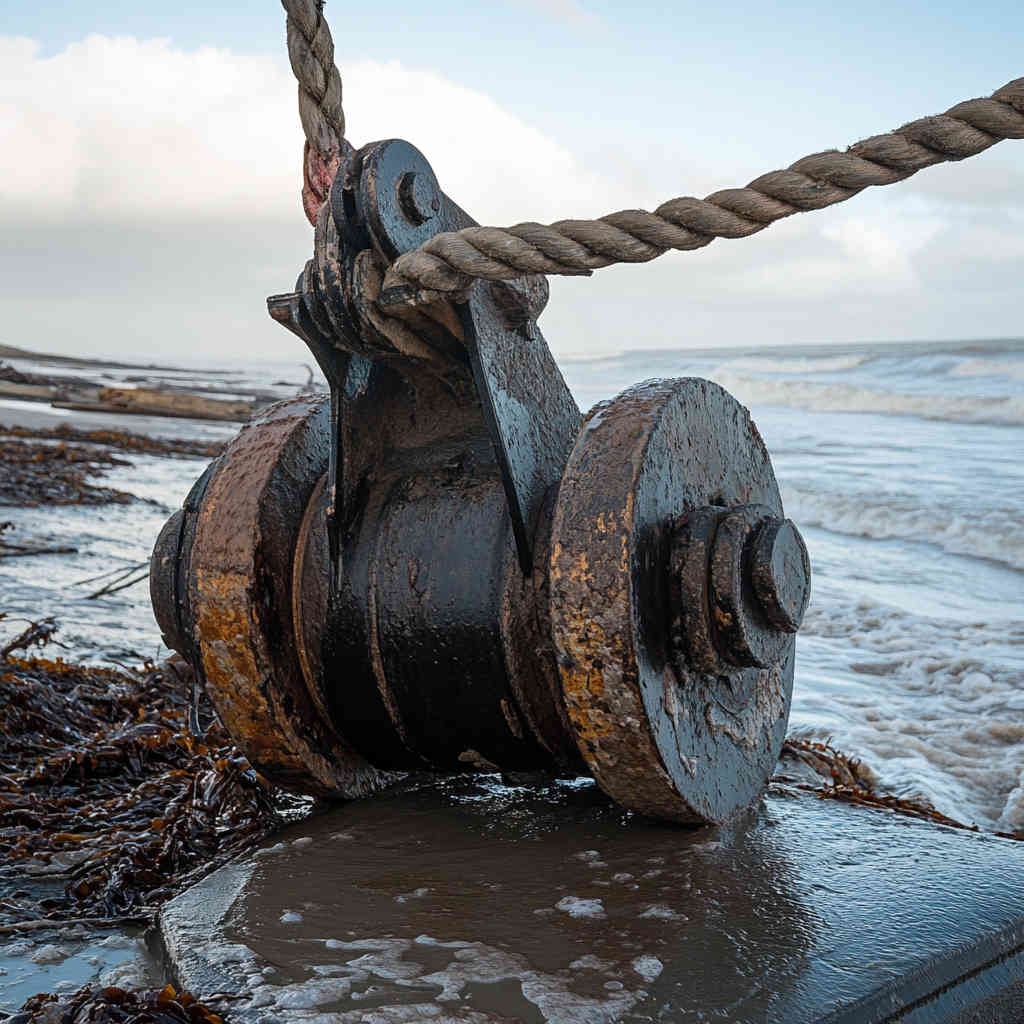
(64, 960)
(476, 900)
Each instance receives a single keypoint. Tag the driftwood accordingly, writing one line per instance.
(28, 392)
(152, 402)
(28, 550)
(10, 550)
(36, 634)
(117, 579)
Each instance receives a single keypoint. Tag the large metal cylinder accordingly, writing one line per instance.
(445, 566)
(651, 645)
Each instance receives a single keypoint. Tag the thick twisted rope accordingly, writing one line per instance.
(311, 52)
(446, 265)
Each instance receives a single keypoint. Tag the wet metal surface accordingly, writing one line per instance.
(664, 729)
(443, 452)
(240, 601)
(547, 903)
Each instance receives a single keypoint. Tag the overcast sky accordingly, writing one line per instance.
(150, 162)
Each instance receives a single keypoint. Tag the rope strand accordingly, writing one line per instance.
(447, 264)
(311, 53)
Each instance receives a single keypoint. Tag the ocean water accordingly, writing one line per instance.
(903, 465)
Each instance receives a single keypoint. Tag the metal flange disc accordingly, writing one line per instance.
(683, 736)
(240, 596)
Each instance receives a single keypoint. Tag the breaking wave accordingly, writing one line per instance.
(825, 364)
(1001, 410)
(995, 534)
(933, 707)
(1011, 369)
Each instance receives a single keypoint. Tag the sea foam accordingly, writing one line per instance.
(1001, 410)
(993, 533)
(934, 708)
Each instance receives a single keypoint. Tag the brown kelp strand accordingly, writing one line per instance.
(847, 780)
(54, 466)
(120, 440)
(35, 634)
(115, 1005)
(109, 805)
(33, 474)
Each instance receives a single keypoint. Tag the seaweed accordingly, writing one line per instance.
(121, 440)
(56, 474)
(115, 1005)
(53, 466)
(106, 791)
(849, 782)
(35, 634)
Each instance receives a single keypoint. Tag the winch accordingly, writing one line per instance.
(444, 566)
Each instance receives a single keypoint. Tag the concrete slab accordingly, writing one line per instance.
(471, 900)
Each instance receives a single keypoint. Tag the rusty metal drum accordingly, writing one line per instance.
(442, 568)
(652, 607)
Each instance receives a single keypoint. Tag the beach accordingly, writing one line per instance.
(901, 464)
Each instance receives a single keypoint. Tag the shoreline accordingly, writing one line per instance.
(153, 391)
(52, 358)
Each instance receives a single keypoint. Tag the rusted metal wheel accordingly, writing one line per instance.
(240, 602)
(676, 676)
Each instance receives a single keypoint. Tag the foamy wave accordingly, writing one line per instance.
(933, 707)
(996, 534)
(1012, 369)
(825, 364)
(800, 394)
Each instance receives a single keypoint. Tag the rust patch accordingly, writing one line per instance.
(241, 570)
(688, 740)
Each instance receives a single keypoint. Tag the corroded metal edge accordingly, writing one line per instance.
(591, 613)
(662, 737)
(242, 563)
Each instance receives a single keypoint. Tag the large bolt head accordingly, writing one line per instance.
(743, 636)
(418, 197)
(740, 580)
(780, 571)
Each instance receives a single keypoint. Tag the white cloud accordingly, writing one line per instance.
(174, 177)
(128, 128)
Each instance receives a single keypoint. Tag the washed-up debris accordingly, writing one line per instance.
(56, 474)
(35, 634)
(105, 792)
(53, 467)
(848, 780)
(110, 804)
(148, 397)
(116, 579)
(12, 549)
(121, 440)
(116, 1006)
(143, 401)
(11, 375)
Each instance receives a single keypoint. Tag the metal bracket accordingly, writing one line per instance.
(386, 199)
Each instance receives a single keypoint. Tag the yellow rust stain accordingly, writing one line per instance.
(229, 664)
(578, 571)
(582, 681)
(589, 648)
